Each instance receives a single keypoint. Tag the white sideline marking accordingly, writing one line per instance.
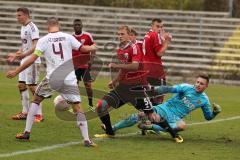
(48, 148)
(215, 121)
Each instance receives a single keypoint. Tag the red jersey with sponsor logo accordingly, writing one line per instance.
(152, 63)
(81, 60)
(127, 55)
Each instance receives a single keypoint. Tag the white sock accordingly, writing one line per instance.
(39, 111)
(31, 116)
(82, 124)
(25, 101)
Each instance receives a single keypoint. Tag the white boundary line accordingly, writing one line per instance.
(215, 121)
(47, 148)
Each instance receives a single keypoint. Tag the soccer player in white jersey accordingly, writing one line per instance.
(27, 79)
(56, 47)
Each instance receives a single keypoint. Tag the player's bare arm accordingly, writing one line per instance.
(13, 56)
(30, 51)
(167, 41)
(26, 64)
(86, 48)
(20, 54)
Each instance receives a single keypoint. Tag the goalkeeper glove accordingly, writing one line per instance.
(147, 125)
(216, 109)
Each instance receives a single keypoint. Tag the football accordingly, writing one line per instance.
(61, 104)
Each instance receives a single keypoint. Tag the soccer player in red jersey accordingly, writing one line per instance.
(155, 44)
(82, 61)
(130, 76)
(133, 38)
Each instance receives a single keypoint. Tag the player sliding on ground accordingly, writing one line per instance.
(130, 75)
(187, 98)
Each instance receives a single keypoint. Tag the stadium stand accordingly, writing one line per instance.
(202, 41)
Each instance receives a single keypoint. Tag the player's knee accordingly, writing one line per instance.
(88, 85)
(102, 106)
(181, 125)
(75, 106)
(37, 99)
(32, 88)
(99, 105)
(22, 87)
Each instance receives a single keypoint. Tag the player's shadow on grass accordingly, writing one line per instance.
(167, 138)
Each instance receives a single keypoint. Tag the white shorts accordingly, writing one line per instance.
(69, 92)
(30, 75)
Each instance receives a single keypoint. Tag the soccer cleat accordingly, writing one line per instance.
(143, 132)
(20, 116)
(38, 118)
(104, 135)
(103, 127)
(24, 136)
(90, 144)
(178, 138)
(145, 126)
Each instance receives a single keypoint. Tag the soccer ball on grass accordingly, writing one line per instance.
(61, 104)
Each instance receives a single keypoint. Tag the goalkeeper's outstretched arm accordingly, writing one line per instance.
(165, 89)
(210, 113)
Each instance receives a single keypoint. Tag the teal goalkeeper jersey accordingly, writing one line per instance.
(186, 100)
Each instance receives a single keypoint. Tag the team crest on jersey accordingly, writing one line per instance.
(25, 33)
(198, 102)
(83, 40)
(125, 55)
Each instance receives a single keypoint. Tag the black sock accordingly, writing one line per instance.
(90, 101)
(164, 124)
(107, 122)
(90, 95)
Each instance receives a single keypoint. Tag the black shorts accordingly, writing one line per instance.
(83, 74)
(155, 97)
(157, 81)
(123, 94)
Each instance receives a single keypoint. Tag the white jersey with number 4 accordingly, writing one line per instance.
(57, 49)
(29, 33)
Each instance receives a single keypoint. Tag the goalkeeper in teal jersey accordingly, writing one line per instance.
(186, 99)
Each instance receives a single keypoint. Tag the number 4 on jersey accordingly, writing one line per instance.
(60, 52)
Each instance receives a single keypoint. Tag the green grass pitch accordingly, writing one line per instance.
(213, 141)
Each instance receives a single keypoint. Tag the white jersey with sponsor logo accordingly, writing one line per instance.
(57, 50)
(29, 33)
